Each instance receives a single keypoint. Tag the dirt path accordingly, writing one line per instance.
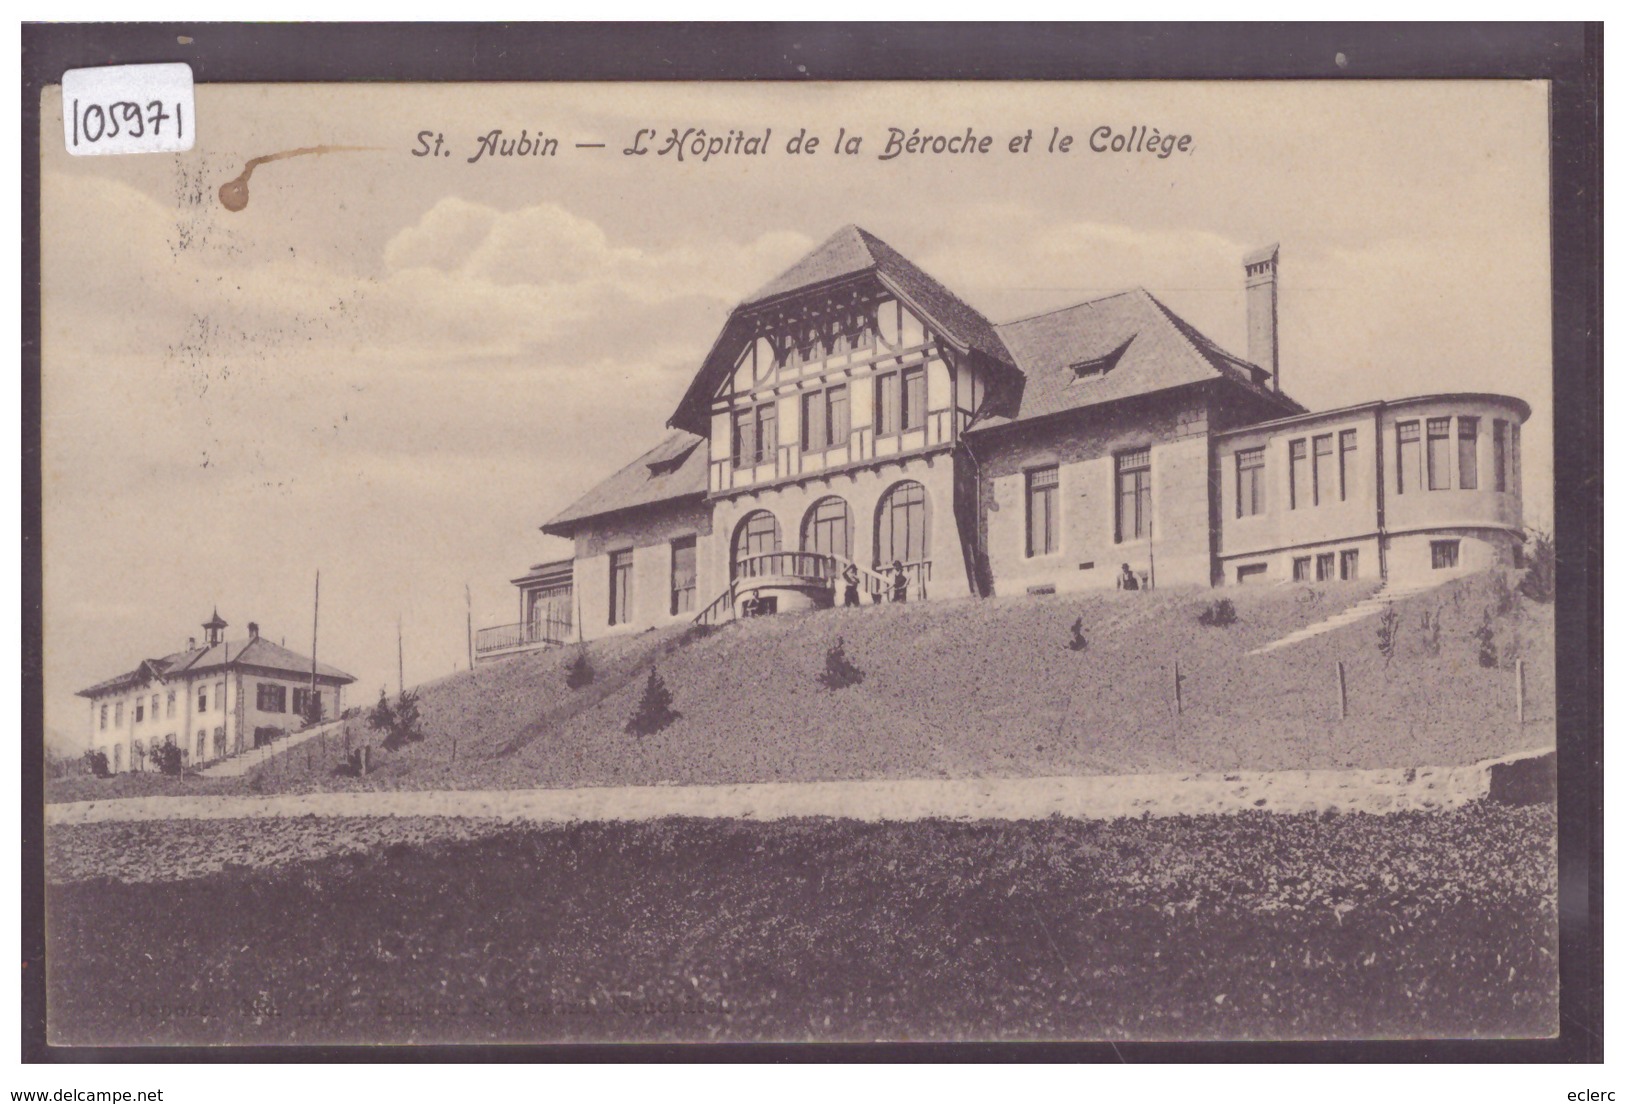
(1105, 797)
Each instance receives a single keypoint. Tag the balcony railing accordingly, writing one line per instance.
(877, 583)
(540, 633)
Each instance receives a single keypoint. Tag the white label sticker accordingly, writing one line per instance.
(128, 109)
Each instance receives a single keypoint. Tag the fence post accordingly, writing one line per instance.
(1520, 691)
(454, 749)
(1342, 692)
(1179, 694)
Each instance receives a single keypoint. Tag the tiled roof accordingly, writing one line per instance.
(258, 652)
(1143, 346)
(675, 468)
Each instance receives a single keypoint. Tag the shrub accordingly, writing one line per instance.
(167, 758)
(1218, 614)
(1387, 633)
(400, 723)
(97, 762)
(654, 710)
(839, 671)
(1540, 580)
(579, 673)
(1078, 642)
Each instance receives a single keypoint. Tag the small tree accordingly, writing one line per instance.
(839, 671)
(167, 758)
(579, 673)
(654, 710)
(400, 723)
(1540, 581)
(97, 762)
(1388, 633)
(1218, 614)
(1078, 642)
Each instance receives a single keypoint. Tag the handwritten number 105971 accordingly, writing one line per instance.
(96, 121)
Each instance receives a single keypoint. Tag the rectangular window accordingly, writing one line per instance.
(1133, 494)
(1347, 444)
(1438, 454)
(1446, 554)
(1349, 567)
(104, 716)
(220, 741)
(307, 703)
(220, 695)
(839, 419)
(1325, 567)
(913, 397)
(1409, 465)
(1467, 453)
(1322, 464)
(620, 587)
(202, 699)
(744, 444)
(1300, 569)
(118, 715)
(169, 705)
(1251, 573)
(1297, 454)
(755, 434)
(814, 427)
(270, 698)
(683, 575)
(886, 405)
(1249, 482)
(140, 712)
(1043, 485)
(202, 745)
(1498, 438)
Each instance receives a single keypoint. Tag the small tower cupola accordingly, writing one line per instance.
(214, 629)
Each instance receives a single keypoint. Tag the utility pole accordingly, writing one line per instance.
(400, 658)
(468, 603)
(315, 623)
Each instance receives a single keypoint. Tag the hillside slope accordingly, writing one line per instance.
(993, 689)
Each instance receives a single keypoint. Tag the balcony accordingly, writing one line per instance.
(501, 641)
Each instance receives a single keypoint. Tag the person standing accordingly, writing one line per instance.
(849, 577)
(899, 582)
(1128, 580)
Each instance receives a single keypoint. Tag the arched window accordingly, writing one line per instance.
(758, 533)
(902, 523)
(827, 528)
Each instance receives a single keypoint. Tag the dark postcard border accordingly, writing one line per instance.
(1569, 55)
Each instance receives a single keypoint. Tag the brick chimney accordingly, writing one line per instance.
(1262, 347)
(191, 643)
(253, 630)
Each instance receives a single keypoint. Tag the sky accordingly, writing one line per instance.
(393, 369)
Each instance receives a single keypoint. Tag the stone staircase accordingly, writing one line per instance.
(245, 761)
(1367, 607)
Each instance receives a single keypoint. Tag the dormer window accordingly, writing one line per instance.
(1097, 367)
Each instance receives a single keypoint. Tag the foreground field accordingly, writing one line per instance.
(1250, 926)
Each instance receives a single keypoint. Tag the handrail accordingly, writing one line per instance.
(711, 615)
(545, 630)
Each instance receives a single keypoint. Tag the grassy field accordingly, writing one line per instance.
(1252, 926)
(978, 689)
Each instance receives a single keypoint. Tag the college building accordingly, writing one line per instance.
(855, 416)
(214, 700)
